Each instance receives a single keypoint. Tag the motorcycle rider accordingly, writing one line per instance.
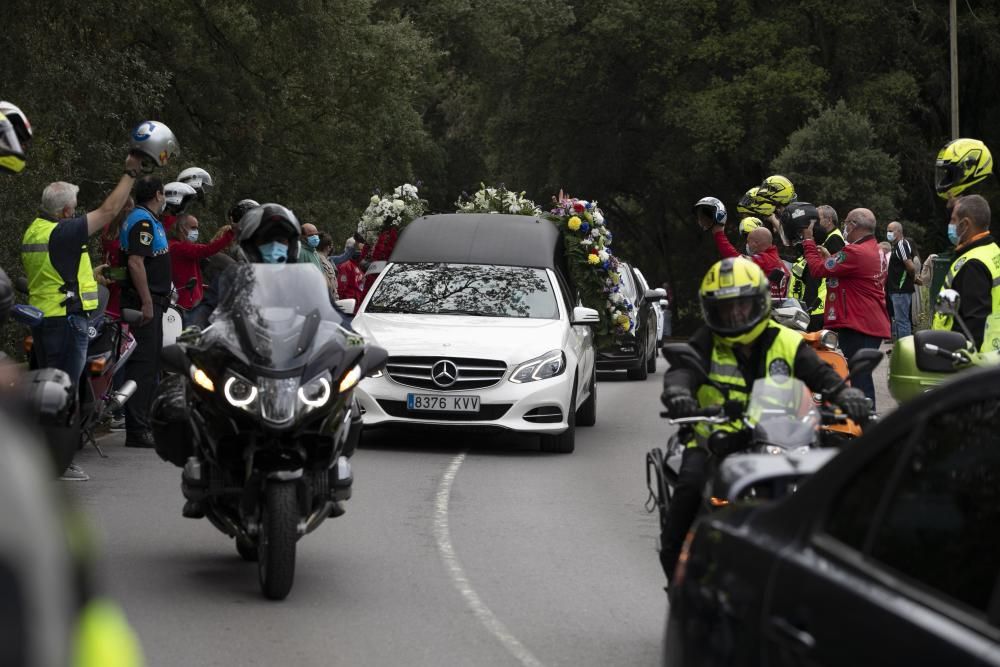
(760, 247)
(738, 344)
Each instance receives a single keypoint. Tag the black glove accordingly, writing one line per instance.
(678, 401)
(853, 402)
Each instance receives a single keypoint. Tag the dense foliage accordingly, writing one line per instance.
(643, 105)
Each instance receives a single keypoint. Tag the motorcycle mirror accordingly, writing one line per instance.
(863, 361)
(374, 360)
(21, 285)
(175, 359)
(948, 302)
(130, 316)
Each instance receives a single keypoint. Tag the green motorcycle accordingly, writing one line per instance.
(928, 358)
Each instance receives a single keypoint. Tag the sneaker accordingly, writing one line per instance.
(117, 423)
(74, 473)
(142, 439)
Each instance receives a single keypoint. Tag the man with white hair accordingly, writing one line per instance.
(60, 277)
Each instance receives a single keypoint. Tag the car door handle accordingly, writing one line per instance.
(788, 630)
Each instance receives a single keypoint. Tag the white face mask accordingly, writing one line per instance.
(192, 235)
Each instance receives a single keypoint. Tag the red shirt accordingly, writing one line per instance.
(768, 261)
(855, 292)
(112, 257)
(350, 282)
(185, 263)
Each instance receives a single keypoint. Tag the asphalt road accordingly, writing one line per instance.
(453, 551)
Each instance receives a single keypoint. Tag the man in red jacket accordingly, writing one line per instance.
(855, 296)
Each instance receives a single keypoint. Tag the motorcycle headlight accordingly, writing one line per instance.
(829, 339)
(546, 366)
(240, 393)
(351, 378)
(316, 393)
(773, 450)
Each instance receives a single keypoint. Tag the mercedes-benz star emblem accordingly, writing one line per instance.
(444, 373)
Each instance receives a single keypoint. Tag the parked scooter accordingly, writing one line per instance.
(259, 413)
(927, 358)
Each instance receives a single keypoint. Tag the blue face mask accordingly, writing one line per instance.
(313, 240)
(953, 233)
(890, 236)
(273, 253)
(192, 235)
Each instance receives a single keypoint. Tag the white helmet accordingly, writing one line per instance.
(715, 209)
(197, 178)
(178, 196)
(155, 141)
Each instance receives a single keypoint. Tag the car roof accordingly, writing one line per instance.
(482, 238)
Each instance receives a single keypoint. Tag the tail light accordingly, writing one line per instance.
(718, 502)
(29, 343)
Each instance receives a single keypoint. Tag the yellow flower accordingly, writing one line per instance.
(626, 326)
(593, 259)
(573, 223)
(615, 278)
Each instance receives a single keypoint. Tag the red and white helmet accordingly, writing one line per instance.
(155, 141)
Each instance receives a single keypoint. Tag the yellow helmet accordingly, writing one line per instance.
(961, 163)
(752, 204)
(748, 224)
(735, 300)
(777, 189)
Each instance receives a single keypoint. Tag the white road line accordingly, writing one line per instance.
(442, 536)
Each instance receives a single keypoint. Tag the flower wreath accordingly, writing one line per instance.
(587, 240)
(386, 216)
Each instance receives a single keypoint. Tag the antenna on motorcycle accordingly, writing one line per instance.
(682, 355)
(862, 361)
(948, 304)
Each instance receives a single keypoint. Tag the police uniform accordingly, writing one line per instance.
(975, 275)
(143, 235)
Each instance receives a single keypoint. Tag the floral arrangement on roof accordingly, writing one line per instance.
(497, 200)
(386, 216)
(594, 269)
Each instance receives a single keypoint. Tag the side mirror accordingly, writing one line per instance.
(374, 360)
(656, 294)
(948, 302)
(21, 285)
(585, 316)
(130, 316)
(175, 359)
(749, 477)
(863, 361)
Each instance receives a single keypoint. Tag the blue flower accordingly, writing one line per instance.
(606, 265)
(585, 228)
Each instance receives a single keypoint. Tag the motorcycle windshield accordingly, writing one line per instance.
(783, 413)
(275, 314)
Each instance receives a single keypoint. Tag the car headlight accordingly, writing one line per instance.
(548, 365)
(316, 393)
(240, 393)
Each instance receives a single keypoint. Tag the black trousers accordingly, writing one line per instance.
(144, 367)
(684, 506)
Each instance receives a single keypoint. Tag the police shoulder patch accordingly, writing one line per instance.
(779, 368)
(145, 238)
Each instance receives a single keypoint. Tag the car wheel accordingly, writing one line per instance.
(587, 414)
(565, 442)
(651, 362)
(640, 373)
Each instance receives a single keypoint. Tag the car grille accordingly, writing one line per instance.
(487, 412)
(468, 373)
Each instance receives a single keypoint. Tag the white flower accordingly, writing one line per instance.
(616, 297)
(374, 199)
(398, 205)
(603, 255)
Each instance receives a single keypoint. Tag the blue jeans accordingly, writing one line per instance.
(901, 325)
(850, 342)
(63, 343)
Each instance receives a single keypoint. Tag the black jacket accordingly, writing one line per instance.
(974, 285)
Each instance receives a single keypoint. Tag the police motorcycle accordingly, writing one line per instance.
(779, 429)
(259, 413)
(928, 358)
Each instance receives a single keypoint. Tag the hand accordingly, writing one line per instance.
(807, 233)
(133, 163)
(854, 403)
(679, 402)
(823, 251)
(147, 314)
(918, 281)
(100, 277)
(222, 230)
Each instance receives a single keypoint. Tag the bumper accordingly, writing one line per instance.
(504, 406)
(616, 360)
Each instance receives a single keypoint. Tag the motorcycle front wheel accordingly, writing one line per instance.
(276, 542)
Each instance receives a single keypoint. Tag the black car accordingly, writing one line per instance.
(635, 352)
(888, 555)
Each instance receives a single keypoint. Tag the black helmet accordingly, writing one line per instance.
(796, 217)
(266, 223)
(240, 209)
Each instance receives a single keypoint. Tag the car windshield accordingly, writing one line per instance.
(782, 410)
(465, 289)
(277, 314)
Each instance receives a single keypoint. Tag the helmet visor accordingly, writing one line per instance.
(9, 143)
(947, 175)
(734, 315)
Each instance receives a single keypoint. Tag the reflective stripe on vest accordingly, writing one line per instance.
(989, 256)
(46, 288)
(724, 369)
(797, 288)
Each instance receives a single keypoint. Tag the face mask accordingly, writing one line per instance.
(273, 253)
(313, 240)
(953, 233)
(192, 235)
(163, 207)
(890, 236)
